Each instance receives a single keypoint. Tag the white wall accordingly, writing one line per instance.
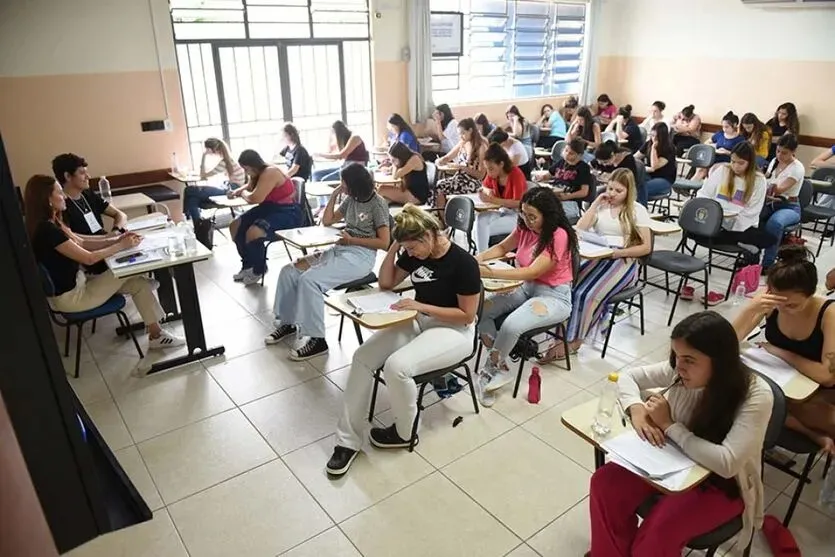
(389, 34)
(713, 29)
(60, 37)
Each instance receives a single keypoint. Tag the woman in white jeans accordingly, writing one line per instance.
(504, 186)
(62, 253)
(545, 244)
(300, 293)
(447, 289)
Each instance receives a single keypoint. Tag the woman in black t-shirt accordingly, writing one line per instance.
(659, 155)
(784, 121)
(61, 253)
(299, 161)
(447, 288)
(410, 168)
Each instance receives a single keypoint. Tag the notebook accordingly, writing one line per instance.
(592, 237)
(769, 365)
(653, 462)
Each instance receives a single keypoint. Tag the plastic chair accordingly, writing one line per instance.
(700, 156)
(556, 151)
(701, 217)
(427, 378)
(459, 215)
(306, 213)
(608, 136)
(627, 296)
(817, 214)
(114, 305)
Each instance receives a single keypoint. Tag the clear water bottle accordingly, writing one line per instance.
(190, 241)
(104, 188)
(602, 423)
(739, 294)
(827, 494)
(175, 165)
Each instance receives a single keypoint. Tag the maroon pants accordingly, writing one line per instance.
(616, 493)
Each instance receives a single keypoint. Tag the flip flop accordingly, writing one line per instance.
(780, 539)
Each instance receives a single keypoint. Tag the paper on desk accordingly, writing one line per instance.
(600, 240)
(673, 482)
(655, 462)
(156, 239)
(587, 249)
(312, 234)
(769, 365)
(379, 302)
(143, 223)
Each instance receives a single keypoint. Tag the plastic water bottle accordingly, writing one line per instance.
(104, 188)
(175, 166)
(827, 494)
(534, 386)
(602, 424)
(190, 241)
(739, 294)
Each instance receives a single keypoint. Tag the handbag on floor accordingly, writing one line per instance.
(204, 231)
(749, 276)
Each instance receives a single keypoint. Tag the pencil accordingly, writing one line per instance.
(673, 384)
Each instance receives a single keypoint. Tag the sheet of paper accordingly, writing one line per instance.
(655, 462)
(144, 223)
(379, 302)
(155, 239)
(312, 234)
(769, 365)
(498, 264)
(136, 258)
(587, 249)
(673, 482)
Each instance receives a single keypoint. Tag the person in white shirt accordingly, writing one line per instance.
(515, 150)
(446, 127)
(655, 115)
(785, 178)
(717, 412)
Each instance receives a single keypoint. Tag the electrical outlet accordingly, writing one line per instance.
(168, 125)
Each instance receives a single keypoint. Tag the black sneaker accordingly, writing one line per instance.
(312, 348)
(387, 438)
(340, 460)
(281, 332)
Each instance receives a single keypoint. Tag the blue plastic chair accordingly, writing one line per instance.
(114, 305)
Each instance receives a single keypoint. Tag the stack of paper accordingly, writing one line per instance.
(587, 249)
(156, 220)
(379, 302)
(769, 365)
(600, 240)
(653, 462)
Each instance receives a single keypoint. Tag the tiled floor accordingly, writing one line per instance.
(230, 453)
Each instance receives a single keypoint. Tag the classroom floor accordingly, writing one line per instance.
(230, 453)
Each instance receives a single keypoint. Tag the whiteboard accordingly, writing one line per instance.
(447, 29)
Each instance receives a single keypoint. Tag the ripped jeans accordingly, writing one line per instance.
(530, 306)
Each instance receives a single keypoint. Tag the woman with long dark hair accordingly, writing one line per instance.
(716, 411)
(785, 120)
(484, 125)
(299, 162)
(195, 196)
(625, 128)
(504, 185)
(605, 110)
(410, 169)
(585, 128)
(62, 253)
(552, 127)
(687, 129)
(469, 158)
(658, 154)
(757, 134)
(520, 128)
(345, 146)
(446, 127)
(545, 246)
(784, 179)
(400, 130)
(723, 142)
(515, 150)
(277, 209)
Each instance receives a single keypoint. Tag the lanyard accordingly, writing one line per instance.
(86, 204)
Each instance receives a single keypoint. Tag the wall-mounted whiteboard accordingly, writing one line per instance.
(447, 30)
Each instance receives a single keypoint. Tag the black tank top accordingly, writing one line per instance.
(811, 348)
(418, 184)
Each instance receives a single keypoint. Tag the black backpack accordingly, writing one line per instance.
(204, 231)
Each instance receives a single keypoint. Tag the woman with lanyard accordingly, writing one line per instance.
(277, 209)
(784, 178)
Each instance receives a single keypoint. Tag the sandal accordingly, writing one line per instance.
(780, 539)
(555, 353)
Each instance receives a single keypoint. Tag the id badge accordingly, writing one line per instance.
(92, 223)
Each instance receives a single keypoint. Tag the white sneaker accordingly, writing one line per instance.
(497, 378)
(165, 340)
(250, 278)
(239, 276)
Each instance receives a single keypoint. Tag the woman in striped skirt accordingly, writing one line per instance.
(617, 215)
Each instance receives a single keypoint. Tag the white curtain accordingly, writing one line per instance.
(420, 61)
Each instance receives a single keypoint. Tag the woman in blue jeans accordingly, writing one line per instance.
(659, 156)
(195, 196)
(784, 178)
(277, 209)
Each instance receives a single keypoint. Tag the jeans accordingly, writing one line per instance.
(300, 295)
(325, 174)
(572, 210)
(775, 218)
(269, 217)
(195, 196)
(642, 196)
(657, 186)
(493, 223)
(403, 351)
(615, 493)
(530, 306)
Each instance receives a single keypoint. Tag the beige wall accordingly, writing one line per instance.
(722, 56)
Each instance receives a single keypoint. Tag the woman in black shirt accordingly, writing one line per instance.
(410, 168)
(447, 288)
(626, 129)
(785, 121)
(659, 155)
(61, 253)
(299, 161)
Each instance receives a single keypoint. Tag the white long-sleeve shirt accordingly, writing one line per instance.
(749, 215)
(739, 454)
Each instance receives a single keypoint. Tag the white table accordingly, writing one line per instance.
(189, 303)
(309, 237)
(320, 189)
(224, 201)
(130, 201)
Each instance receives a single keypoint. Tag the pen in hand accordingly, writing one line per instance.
(671, 385)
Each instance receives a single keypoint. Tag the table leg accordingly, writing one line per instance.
(192, 323)
(599, 458)
(167, 299)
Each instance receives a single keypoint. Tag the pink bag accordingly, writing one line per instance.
(749, 276)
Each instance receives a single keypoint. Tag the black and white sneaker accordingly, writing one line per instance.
(387, 438)
(312, 348)
(340, 460)
(279, 333)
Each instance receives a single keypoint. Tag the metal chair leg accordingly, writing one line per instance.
(675, 301)
(94, 327)
(518, 377)
(561, 329)
(827, 465)
(707, 285)
(358, 331)
(78, 351)
(413, 437)
(613, 310)
(341, 323)
(471, 385)
(801, 483)
(67, 342)
(641, 310)
(124, 320)
(374, 395)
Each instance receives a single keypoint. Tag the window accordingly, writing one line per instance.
(512, 49)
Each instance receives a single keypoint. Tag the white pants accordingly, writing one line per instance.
(403, 352)
(491, 223)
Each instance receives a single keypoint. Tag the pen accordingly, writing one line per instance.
(664, 391)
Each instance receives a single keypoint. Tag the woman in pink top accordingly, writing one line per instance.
(277, 209)
(545, 245)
